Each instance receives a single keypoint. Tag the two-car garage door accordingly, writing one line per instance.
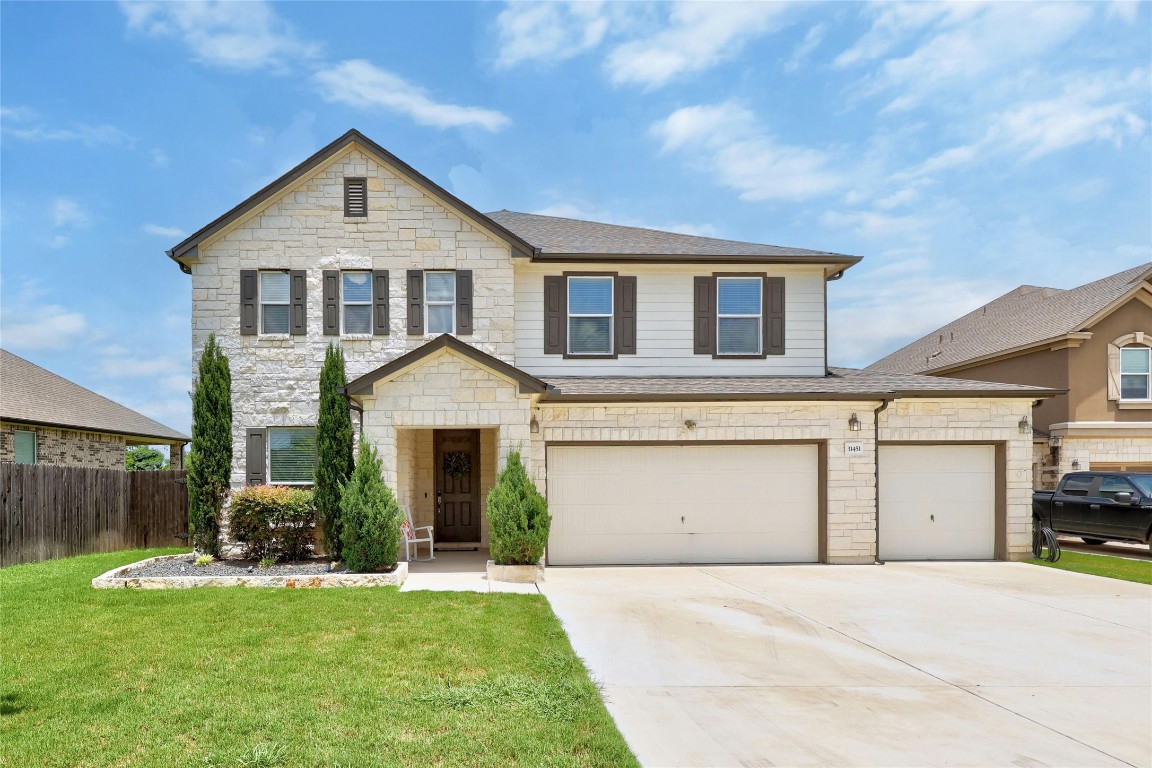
(647, 504)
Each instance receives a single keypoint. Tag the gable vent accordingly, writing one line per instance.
(355, 197)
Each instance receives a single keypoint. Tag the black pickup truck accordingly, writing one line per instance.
(1098, 506)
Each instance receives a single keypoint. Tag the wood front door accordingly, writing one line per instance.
(456, 463)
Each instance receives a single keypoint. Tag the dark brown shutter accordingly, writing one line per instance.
(704, 315)
(464, 302)
(773, 315)
(380, 302)
(299, 285)
(331, 302)
(415, 302)
(355, 197)
(256, 457)
(248, 308)
(555, 314)
(625, 315)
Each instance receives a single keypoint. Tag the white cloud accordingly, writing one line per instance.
(233, 35)
(159, 231)
(805, 47)
(29, 323)
(697, 36)
(66, 212)
(549, 31)
(727, 141)
(26, 124)
(359, 83)
(159, 158)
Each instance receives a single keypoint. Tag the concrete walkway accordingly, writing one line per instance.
(898, 665)
(458, 571)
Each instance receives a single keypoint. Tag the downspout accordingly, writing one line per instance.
(876, 461)
(359, 412)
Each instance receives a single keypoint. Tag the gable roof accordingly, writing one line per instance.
(528, 383)
(33, 395)
(561, 239)
(188, 245)
(1017, 321)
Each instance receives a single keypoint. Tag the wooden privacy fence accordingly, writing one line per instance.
(48, 511)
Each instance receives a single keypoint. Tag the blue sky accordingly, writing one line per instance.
(962, 149)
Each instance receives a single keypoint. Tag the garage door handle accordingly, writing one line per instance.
(681, 520)
(1093, 506)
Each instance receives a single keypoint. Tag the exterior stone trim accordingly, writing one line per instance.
(117, 579)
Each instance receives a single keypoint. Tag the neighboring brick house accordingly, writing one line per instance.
(670, 394)
(47, 419)
(1094, 341)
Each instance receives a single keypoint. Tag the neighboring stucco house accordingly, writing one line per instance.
(47, 419)
(670, 394)
(1094, 341)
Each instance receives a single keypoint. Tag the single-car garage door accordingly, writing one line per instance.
(642, 504)
(937, 502)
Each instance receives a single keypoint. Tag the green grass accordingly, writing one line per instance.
(266, 677)
(1102, 565)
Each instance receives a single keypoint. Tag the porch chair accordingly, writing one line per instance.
(413, 539)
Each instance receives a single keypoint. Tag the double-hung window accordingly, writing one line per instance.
(590, 315)
(440, 302)
(1136, 373)
(739, 315)
(275, 302)
(356, 296)
(291, 455)
(24, 446)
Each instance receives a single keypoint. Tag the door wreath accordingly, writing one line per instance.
(457, 463)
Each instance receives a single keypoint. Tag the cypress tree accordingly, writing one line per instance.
(333, 448)
(210, 459)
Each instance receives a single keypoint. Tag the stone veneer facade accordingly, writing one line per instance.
(67, 447)
(1049, 466)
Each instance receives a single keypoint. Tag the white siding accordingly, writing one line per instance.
(664, 324)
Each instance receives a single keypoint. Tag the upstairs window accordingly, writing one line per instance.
(275, 302)
(589, 315)
(24, 446)
(291, 455)
(355, 198)
(1136, 373)
(739, 315)
(356, 294)
(440, 301)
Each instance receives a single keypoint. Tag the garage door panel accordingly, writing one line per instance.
(937, 502)
(676, 504)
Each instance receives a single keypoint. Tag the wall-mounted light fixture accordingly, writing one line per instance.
(534, 426)
(1055, 441)
(1025, 426)
(1075, 465)
(854, 423)
(690, 424)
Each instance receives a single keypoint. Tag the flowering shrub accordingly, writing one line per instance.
(273, 521)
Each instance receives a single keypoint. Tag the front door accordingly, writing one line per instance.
(456, 463)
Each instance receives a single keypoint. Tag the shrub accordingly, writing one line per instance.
(210, 459)
(333, 447)
(204, 561)
(371, 517)
(518, 519)
(273, 521)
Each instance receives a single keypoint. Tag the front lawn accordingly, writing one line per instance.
(1102, 565)
(323, 677)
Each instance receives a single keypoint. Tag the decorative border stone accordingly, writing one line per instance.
(521, 574)
(118, 578)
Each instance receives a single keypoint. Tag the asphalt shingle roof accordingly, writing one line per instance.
(32, 394)
(841, 384)
(556, 236)
(1027, 315)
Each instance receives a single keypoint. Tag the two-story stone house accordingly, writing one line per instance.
(670, 394)
(1094, 341)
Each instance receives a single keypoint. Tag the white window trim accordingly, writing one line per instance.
(760, 316)
(428, 303)
(611, 315)
(35, 444)
(1142, 401)
(261, 303)
(268, 458)
(367, 303)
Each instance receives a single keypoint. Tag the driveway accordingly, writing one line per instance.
(896, 665)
